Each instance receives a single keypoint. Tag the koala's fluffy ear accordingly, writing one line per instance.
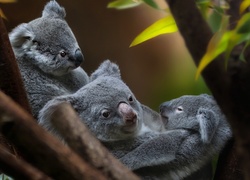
(209, 97)
(208, 122)
(107, 68)
(53, 10)
(20, 35)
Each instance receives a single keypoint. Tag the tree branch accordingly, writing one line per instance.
(229, 87)
(80, 139)
(17, 168)
(39, 148)
(10, 78)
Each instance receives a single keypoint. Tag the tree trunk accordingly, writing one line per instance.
(229, 87)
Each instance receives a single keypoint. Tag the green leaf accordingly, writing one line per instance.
(244, 5)
(243, 26)
(216, 18)
(162, 26)
(217, 45)
(240, 34)
(204, 6)
(124, 4)
(151, 3)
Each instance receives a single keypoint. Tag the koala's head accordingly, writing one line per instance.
(181, 112)
(107, 106)
(47, 42)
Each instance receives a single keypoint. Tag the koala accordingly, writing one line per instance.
(209, 132)
(139, 137)
(48, 57)
(106, 104)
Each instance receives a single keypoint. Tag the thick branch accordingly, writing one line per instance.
(17, 168)
(40, 148)
(80, 139)
(10, 78)
(223, 84)
(197, 35)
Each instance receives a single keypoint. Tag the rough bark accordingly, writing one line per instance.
(80, 139)
(230, 87)
(39, 148)
(10, 78)
(17, 168)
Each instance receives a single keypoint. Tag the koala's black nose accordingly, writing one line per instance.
(78, 57)
(164, 109)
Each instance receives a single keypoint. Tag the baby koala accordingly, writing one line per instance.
(196, 131)
(48, 57)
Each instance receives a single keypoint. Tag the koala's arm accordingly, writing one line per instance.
(157, 151)
(208, 122)
(152, 119)
(45, 113)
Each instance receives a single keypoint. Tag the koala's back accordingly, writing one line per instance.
(42, 87)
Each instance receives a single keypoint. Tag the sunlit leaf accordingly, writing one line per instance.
(2, 14)
(217, 45)
(162, 26)
(151, 3)
(7, 1)
(124, 4)
(243, 26)
(204, 6)
(244, 5)
(240, 34)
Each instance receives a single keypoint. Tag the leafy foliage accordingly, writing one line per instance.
(123, 4)
(162, 26)
(223, 41)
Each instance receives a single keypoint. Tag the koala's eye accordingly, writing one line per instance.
(130, 98)
(27, 38)
(105, 113)
(63, 53)
(179, 109)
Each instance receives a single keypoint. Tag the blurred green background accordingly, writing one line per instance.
(156, 71)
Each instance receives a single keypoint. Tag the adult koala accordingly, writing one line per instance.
(48, 57)
(136, 135)
(107, 105)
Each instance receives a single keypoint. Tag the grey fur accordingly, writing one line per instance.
(48, 56)
(136, 135)
(103, 95)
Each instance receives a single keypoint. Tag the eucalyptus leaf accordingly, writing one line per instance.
(162, 26)
(244, 5)
(123, 4)
(151, 3)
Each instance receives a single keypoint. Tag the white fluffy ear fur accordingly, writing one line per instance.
(20, 35)
(53, 10)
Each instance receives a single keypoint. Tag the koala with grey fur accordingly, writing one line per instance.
(107, 105)
(48, 56)
(172, 146)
